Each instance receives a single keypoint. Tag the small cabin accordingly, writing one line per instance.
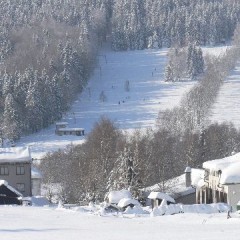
(63, 129)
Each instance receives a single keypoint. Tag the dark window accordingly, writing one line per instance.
(21, 187)
(20, 170)
(4, 171)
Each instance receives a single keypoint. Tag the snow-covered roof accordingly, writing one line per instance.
(115, 196)
(70, 129)
(124, 202)
(231, 174)
(161, 195)
(221, 164)
(229, 166)
(3, 182)
(15, 154)
(177, 186)
(61, 123)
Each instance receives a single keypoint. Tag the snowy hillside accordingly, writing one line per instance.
(137, 108)
(131, 107)
(227, 106)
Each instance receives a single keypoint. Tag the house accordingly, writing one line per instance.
(62, 129)
(15, 168)
(9, 195)
(221, 181)
(182, 188)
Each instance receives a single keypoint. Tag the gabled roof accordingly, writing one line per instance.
(176, 187)
(15, 154)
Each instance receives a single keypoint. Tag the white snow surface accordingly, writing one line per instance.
(230, 167)
(231, 175)
(227, 106)
(217, 51)
(126, 201)
(161, 195)
(115, 196)
(15, 154)
(223, 163)
(38, 223)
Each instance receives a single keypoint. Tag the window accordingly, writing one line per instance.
(20, 170)
(4, 171)
(21, 187)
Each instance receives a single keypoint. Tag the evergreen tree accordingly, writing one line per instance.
(34, 106)
(11, 123)
(169, 76)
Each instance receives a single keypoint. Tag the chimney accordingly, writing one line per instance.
(188, 179)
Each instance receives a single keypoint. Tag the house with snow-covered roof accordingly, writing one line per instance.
(181, 188)
(15, 168)
(221, 181)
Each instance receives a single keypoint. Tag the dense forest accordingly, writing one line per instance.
(48, 49)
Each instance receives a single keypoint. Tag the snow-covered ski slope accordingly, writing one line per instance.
(227, 106)
(137, 108)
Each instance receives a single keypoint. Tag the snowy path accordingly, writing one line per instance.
(227, 106)
(137, 108)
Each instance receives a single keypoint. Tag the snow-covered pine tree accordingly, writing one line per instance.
(200, 61)
(34, 107)
(168, 75)
(11, 123)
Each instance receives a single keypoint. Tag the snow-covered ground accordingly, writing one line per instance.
(137, 108)
(227, 106)
(216, 51)
(46, 223)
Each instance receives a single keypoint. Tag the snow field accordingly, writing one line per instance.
(227, 106)
(46, 223)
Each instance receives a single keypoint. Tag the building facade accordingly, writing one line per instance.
(221, 181)
(15, 168)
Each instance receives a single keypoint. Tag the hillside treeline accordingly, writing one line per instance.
(111, 160)
(48, 50)
(138, 24)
